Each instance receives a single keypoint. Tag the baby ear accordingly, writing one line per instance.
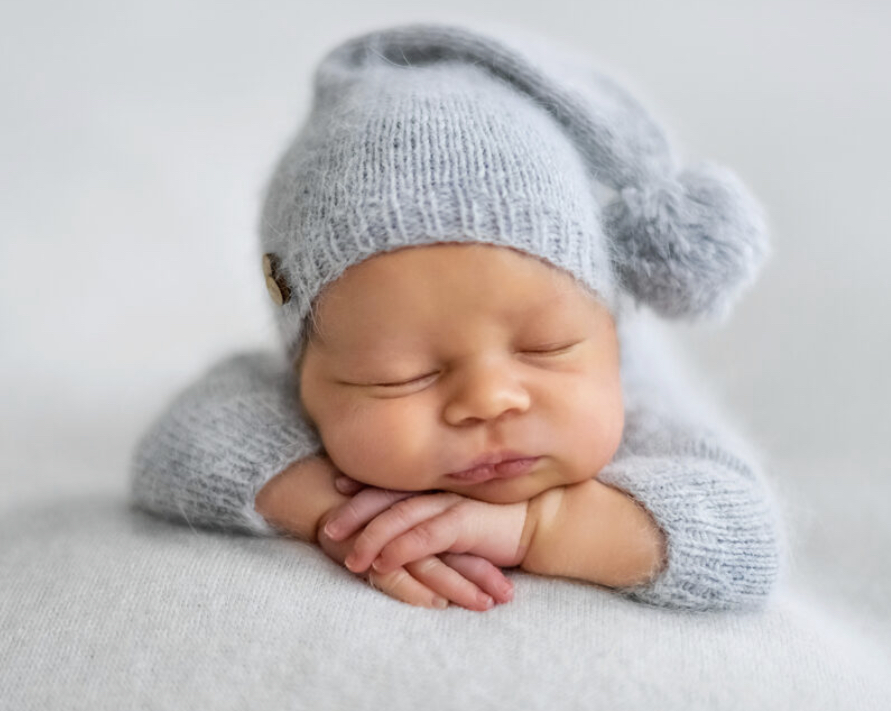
(688, 246)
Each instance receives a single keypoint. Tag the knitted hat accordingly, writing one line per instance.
(428, 133)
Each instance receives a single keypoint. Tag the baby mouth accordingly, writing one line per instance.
(497, 468)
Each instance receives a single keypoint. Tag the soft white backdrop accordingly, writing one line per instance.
(135, 139)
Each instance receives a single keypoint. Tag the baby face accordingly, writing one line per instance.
(466, 368)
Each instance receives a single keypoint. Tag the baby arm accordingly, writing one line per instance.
(591, 531)
(220, 439)
(703, 492)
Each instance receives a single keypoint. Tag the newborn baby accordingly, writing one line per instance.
(462, 390)
(481, 371)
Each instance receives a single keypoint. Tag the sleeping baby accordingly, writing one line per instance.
(455, 244)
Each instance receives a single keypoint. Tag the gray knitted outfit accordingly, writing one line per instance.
(428, 133)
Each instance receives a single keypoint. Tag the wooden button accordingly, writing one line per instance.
(274, 291)
(275, 283)
(267, 264)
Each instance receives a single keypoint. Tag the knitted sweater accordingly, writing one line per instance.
(222, 438)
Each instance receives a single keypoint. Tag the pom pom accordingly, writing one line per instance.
(688, 247)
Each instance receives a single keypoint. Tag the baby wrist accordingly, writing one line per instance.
(541, 514)
(296, 500)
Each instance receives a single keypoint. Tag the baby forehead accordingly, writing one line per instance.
(450, 272)
(420, 293)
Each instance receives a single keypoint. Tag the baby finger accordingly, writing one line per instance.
(451, 584)
(359, 510)
(348, 486)
(488, 577)
(401, 585)
(435, 535)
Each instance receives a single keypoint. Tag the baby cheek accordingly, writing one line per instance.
(381, 445)
(594, 426)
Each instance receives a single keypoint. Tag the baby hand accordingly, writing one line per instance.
(402, 527)
(428, 581)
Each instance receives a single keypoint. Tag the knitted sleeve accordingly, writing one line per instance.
(219, 441)
(703, 486)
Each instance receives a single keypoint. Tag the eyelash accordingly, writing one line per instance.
(401, 383)
(550, 350)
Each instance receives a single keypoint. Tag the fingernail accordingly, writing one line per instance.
(377, 564)
(331, 529)
(350, 561)
(342, 484)
(440, 603)
(487, 602)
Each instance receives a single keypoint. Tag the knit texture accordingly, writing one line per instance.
(238, 426)
(430, 133)
(204, 460)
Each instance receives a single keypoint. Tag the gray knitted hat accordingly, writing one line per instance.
(435, 133)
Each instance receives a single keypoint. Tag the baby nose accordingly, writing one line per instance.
(484, 394)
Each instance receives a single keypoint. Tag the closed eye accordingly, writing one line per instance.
(408, 381)
(550, 349)
(394, 388)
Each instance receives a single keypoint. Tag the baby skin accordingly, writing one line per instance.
(467, 396)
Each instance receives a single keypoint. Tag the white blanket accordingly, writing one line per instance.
(104, 608)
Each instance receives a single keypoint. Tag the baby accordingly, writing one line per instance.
(475, 370)
(462, 392)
